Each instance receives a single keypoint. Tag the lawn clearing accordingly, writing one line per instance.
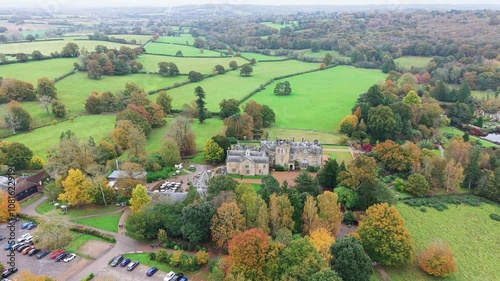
(345, 157)
(321, 53)
(412, 61)
(172, 49)
(31, 200)
(144, 259)
(47, 47)
(186, 39)
(260, 57)
(33, 70)
(470, 232)
(44, 207)
(457, 132)
(319, 100)
(39, 140)
(256, 187)
(310, 135)
(90, 210)
(108, 222)
(185, 65)
(75, 245)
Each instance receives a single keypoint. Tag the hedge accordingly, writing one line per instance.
(93, 232)
(195, 57)
(89, 277)
(495, 217)
(29, 217)
(64, 76)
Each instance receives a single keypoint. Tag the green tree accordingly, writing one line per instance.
(213, 152)
(46, 87)
(223, 143)
(283, 89)
(350, 260)
(200, 104)
(375, 96)
(459, 113)
(53, 231)
(30, 37)
(473, 172)
(325, 275)
(269, 185)
(70, 50)
(268, 116)
(347, 196)
(140, 198)
(165, 101)
(229, 107)
(16, 155)
(220, 69)
(137, 120)
(388, 65)
(58, 109)
(304, 182)
(328, 59)
(327, 175)
(22, 57)
(381, 123)
(169, 152)
(464, 92)
(17, 118)
(168, 69)
(299, 260)
(196, 221)
(36, 55)
(246, 70)
(195, 76)
(418, 185)
(220, 183)
(440, 92)
(384, 236)
(233, 65)
(192, 196)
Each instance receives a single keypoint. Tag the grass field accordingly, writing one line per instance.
(31, 200)
(232, 85)
(171, 49)
(310, 135)
(457, 132)
(202, 65)
(260, 57)
(471, 234)
(340, 156)
(108, 222)
(319, 100)
(47, 47)
(80, 240)
(39, 140)
(31, 71)
(186, 39)
(409, 61)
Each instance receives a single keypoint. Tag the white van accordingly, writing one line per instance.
(24, 237)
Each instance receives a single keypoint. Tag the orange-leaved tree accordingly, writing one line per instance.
(437, 260)
(226, 223)
(5, 210)
(248, 251)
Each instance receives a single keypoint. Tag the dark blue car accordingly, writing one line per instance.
(9, 245)
(151, 271)
(125, 262)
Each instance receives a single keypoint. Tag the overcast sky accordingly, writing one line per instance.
(97, 3)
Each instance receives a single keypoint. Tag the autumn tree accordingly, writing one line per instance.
(254, 109)
(136, 142)
(17, 118)
(120, 133)
(299, 260)
(76, 189)
(226, 223)
(384, 236)
(437, 260)
(246, 70)
(453, 175)
(310, 218)
(350, 260)
(401, 158)
(246, 197)
(169, 152)
(94, 69)
(53, 231)
(58, 108)
(348, 124)
(229, 107)
(362, 170)
(183, 134)
(329, 212)
(165, 101)
(196, 221)
(6, 210)
(136, 118)
(418, 185)
(239, 126)
(248, 251)
(458, 150)
(262, 219)
(233, 65)
(280, 213)
(212, 151)
(46, 87)
(140, 198)
(322, 239)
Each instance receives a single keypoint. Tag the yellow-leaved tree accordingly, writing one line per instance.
(329, 212)
(310, 218)
(322, 240)
(280, 213)
(226, 223)
(5, 211)
(140, 198)
(76, 189)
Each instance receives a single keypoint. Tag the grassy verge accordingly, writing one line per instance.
(44, 207)
(257, 177)
(75, 245)
(31, 200)
(109, 222)
(144, 259)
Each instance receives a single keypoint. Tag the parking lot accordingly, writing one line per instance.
(44, 266)
(121, 273)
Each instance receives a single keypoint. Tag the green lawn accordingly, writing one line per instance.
(340, 156)
(232, 85)
(256, 187)
(186, 39)
(319, 100)
(471, 234)
(44, 207)
(74, 246)
(412, 61)
(320, 54)
(108, 222)
(144, 259)
(91, 210)
(31, 200)
(171, 49)
(39, 140)
(140, 39)
(310, 135)
(185, 65)
(47, 47)
(260, 57)
(457, 132)
(31, 71)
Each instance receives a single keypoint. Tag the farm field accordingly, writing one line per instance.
(314, 95)
(31, 71)
(47, 47)
(183, 39)
(457, 132)
(260, 57)
(232, 85)
(172, 49)
(474, 241)
(204, 66)
(39, 140)
(412, 61)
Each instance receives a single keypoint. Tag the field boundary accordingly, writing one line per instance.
(195, 57)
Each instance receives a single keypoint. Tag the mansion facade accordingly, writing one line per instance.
(250, 161)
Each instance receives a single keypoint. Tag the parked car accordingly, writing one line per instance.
(56, 253)
(42, 254)
(25, 251)
(2, 237)
(14, 220)
(61, 256)
(17, 245)
(125, 262)
(24, 237)
(116, 261)
(132, 265)
(21, 248)
(169, 276)
(31, 226)
(177, 277)
(151, 271)
(9, 271)
(183, 278)
(33, 251)
(9, 245)
(69, 258)
(26, 224)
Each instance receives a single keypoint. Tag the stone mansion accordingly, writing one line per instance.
(250, 161)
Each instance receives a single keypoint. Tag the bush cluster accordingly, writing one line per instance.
(180, 260)
(170, 244)
(441, 203)
(161, 174)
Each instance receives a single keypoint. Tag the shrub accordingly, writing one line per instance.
(162, 256)
(495, 217)
(202, 257)
(151, 256)
(279, 168)
(176, 257)
(437, 260)
(348, 217)
(89, 277)
(423, 210)
(93, 232)
(312, 169)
